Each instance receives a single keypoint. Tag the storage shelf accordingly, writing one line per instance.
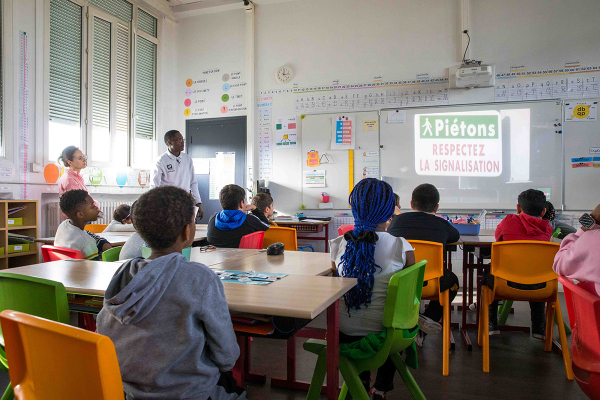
(17, 227)
(22, 253)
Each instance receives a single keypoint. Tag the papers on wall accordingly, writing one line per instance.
(285, 132)
(201, 166)
(315, 178)
(342, 132)
(370, 172)
(222, 172)
(370, 157)
(371, 125)
(398, 116)
(265, 137)
(581, 111)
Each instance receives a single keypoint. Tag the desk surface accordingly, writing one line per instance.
(299, 296)
(288, 222)
(119, 238)
(485, 237)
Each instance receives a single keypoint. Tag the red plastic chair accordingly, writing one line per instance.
(345, 228)
(52, 253)
(253, 241)
(583, 306)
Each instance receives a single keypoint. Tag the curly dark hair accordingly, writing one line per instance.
(170, 135)
(533, 202)
(160, 215)
(71, 200)
(231, 196)
(425, 197)
(121, 212)
(262, 201)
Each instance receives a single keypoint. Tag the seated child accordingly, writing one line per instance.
(80, 209)
(527, 224)
(396, 211)
(264, 207)
(550, 215)
(226, 228)
(121, 220)
(423, 224)
(168, 317)
(132, 247)
(578, 257)
(366, 250)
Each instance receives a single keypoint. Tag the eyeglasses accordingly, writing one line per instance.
(81, 158)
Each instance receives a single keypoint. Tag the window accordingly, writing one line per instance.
(1, 79)
(119, 123)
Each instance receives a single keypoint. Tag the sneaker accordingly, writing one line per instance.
(376, 394)
(538, 331)
(420, 338)
(429, 326)
(494, 329)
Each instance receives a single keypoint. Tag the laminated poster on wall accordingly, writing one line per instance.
(286, 135)
(314, 178)
(342, 132)
(581, 111)
(222, 172)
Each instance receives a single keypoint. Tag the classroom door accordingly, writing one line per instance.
(207, 137)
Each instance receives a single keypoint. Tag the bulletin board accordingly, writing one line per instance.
(316, 136)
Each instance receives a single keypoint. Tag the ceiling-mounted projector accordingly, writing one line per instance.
(475, 76)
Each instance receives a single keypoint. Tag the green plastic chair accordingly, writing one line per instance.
(35, 296)
(112, 254)
(400, 318)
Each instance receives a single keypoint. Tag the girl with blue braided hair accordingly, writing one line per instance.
(371, 255)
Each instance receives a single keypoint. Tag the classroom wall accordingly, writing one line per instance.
(354, 41)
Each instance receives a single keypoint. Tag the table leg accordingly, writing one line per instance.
(463, 330)
(333, 343)
(470, 286)
(326, 238)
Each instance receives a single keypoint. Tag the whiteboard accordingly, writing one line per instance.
(582, 185)
(315, 134)
(528, 154)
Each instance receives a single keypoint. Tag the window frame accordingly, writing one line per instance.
(88, 13)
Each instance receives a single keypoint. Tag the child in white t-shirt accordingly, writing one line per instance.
(371, 255)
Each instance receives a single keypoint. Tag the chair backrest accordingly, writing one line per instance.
(53, 253)
(36, 296)
(95, 228)
(344, 228)
(252, 241)
(583, 306)
(524, 261)
(287, 236)
(433, 253)
(403, 298)
(112, 254)
(49, 360)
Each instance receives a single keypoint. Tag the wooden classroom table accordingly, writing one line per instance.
(298, 296)
(308, 227)
(119, 238)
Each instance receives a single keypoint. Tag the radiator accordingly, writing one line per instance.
(54, 215)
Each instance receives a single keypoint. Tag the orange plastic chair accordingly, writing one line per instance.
(53, 253)
(434, 254)
(50, 360)
(95, 228)
(287, 236)
(523, 262)
(583, 306)
(344, 228)
(252, 241)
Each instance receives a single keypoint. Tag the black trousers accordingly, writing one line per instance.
(449, 281)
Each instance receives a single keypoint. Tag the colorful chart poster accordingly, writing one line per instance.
(265, 136)
(342, 132)
(581, 111)
(314, 179)
(285, 132)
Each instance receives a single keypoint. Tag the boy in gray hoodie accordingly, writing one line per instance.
(168, 317)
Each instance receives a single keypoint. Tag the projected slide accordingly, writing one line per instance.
(458, 144)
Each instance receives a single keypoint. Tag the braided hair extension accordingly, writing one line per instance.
(372, 203)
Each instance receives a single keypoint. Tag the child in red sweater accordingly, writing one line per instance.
(527, 224)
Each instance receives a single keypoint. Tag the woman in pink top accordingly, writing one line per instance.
(74, 161)
(578, 257)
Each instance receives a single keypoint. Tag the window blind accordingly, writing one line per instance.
(145, 84)
(121, 9)
(101, 74)
(122, 80)
(65, 62)
(146, 23)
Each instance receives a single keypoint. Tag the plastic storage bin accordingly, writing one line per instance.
(467, 229)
